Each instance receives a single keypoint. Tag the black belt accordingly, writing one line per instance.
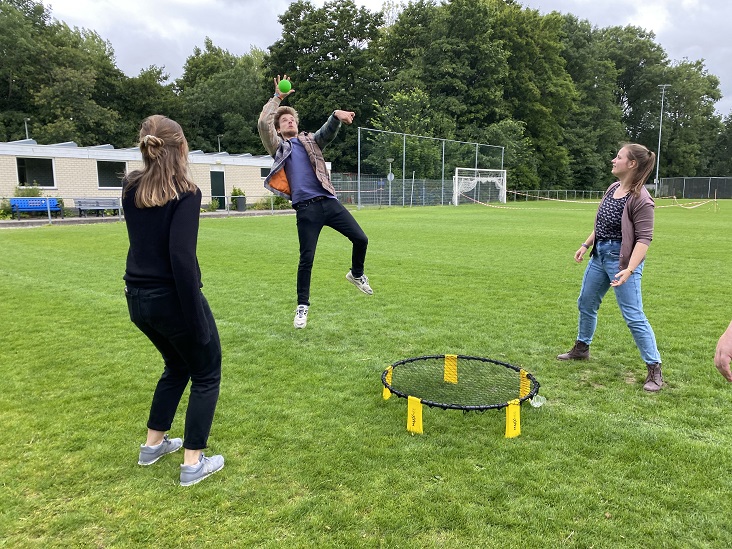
(307, 202)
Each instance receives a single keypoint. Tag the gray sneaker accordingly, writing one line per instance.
(207, 466)
(362, 283)
(301, 316)
(150, 454)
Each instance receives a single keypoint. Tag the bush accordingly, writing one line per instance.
(5, 211)
(271, 202)
(236, 191)
(33, 190)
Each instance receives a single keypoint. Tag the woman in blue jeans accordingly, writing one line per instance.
(619, 242)
(163, 287)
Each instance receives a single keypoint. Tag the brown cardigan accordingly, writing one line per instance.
(636, 224)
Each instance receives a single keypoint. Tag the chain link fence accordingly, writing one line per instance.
(695, 187)
(379, 191)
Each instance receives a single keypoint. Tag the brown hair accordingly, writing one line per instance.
(165, 174)
(644, 159)
(284, 110)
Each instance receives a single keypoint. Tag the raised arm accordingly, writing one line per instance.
(329, 130)
(265, 125)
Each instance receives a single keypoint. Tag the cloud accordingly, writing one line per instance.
(691, 29)
(165, 32)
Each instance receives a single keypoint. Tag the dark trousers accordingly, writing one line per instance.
(311, 219)
(158, 314)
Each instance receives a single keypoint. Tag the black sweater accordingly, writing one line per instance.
(163, 252)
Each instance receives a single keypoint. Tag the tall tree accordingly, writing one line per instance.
(464, 65)
(409, 112)
(538, 88)
(404, 42)
(691, 127)
(74, 100)
(641, 65)
(224, 108)
(721, 158)
(146, 94)
(327, 54)
(68, 112)
(205, 64)
(594, 126)
(23, 25)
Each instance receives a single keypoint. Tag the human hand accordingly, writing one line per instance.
(723, 354)
(345, 116)
(580, 254)
(620, 277)
(279, 93)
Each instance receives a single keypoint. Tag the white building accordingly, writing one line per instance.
(67, 171)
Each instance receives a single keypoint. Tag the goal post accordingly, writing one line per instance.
(488, 185)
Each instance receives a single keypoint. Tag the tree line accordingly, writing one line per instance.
(557, 92)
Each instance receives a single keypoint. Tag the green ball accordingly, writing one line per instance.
(285, 86)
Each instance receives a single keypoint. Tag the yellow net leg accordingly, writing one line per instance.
(386, 393)
(513, 419)
(524, 384)
(414, 415)
(450, 374)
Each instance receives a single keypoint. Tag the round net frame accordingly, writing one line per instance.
(460, 382)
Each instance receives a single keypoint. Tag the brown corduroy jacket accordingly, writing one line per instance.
(281, 149)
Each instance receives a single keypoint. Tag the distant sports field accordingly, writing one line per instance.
(314, 456)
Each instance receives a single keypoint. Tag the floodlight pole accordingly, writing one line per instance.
(660, 126)
(390, 177)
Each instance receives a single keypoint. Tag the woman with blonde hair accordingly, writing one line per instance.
(163, 289)
(619, 242)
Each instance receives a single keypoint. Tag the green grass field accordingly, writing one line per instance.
(314, 456)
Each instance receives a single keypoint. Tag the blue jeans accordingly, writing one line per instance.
(311, 219)
(596, 281)
(158, 314)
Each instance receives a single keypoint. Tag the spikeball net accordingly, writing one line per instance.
(459, 382)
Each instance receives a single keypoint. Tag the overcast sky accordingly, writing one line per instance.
(164, 32)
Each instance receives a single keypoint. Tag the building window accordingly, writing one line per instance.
(264, 172)
(110, 174)
(35, 171)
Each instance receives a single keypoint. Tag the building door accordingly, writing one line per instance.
(218, 189)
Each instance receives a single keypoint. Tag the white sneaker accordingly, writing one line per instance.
(362, 283)
(301, 316)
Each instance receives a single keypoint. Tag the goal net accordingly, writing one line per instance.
(483, 185)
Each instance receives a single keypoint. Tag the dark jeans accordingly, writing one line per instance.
(311, 219)
(158, 314)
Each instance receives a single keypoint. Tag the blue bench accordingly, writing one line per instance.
(35, 204)
(97, 205)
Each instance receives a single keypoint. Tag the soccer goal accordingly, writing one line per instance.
(488, 185)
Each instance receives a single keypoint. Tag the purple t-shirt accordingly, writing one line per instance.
(304, 184)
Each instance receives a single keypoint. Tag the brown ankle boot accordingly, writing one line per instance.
(580, 351)
(654, 379)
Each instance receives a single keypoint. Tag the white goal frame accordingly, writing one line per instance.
(467, 179)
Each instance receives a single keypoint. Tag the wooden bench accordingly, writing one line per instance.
(97, 205)
(35, 204)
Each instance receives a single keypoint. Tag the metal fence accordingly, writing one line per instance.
(377, 190)
(696, 187)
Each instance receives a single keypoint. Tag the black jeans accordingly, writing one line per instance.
(158, 314)
(311, 219)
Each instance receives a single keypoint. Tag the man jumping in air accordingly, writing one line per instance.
(299, 174)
